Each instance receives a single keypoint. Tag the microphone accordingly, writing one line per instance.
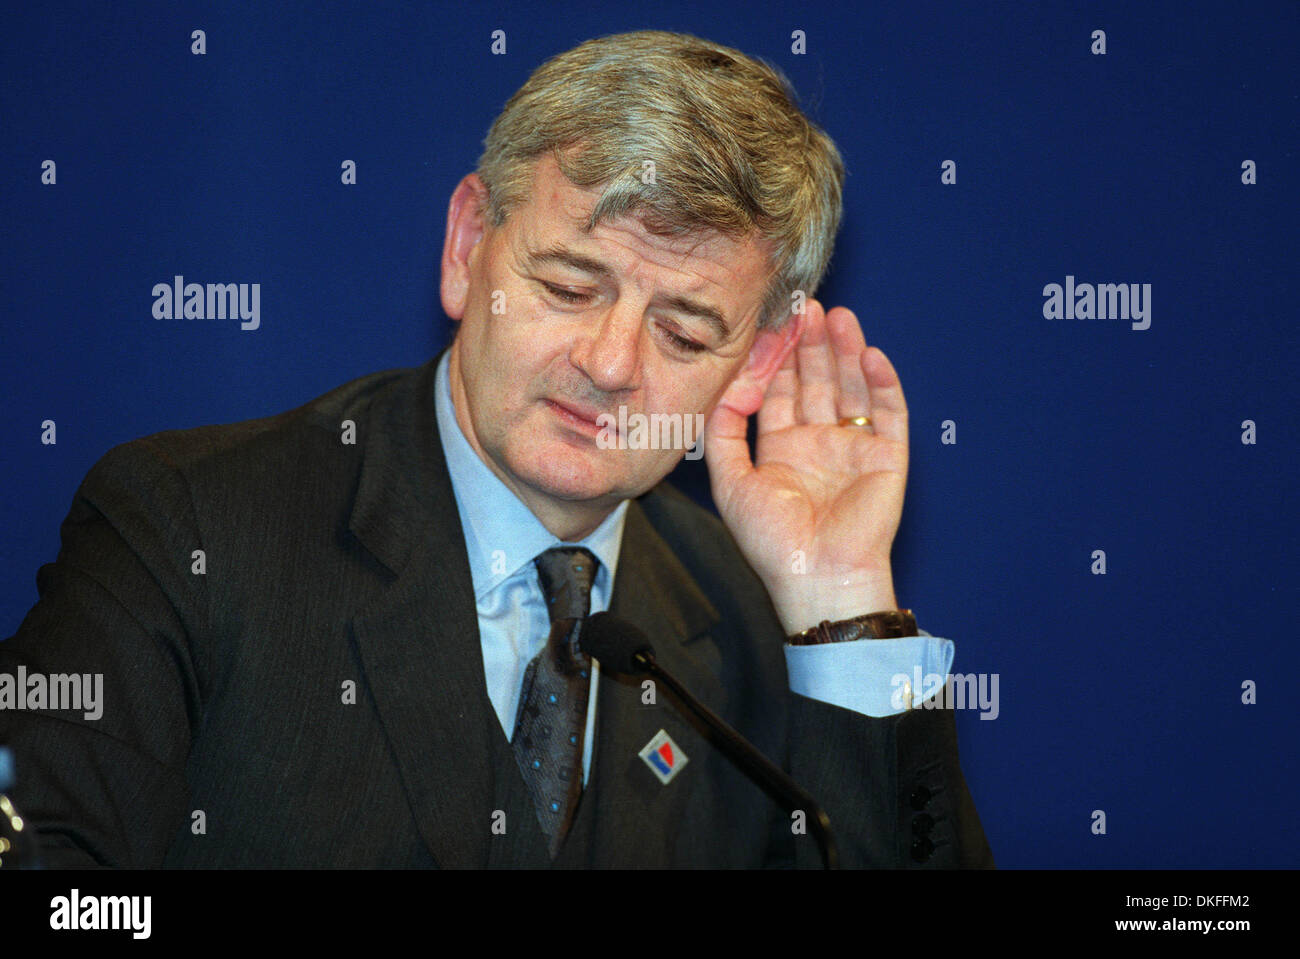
(622, 647)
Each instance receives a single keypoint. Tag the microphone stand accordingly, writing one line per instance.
(768, 775)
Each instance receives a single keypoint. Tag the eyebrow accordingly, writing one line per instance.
(681, 304)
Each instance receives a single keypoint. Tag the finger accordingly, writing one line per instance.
(888, 405)
(779, 411)
(818, 381)
(726, 450)
(847, 344)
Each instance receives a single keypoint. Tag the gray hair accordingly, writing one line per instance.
(732, 152)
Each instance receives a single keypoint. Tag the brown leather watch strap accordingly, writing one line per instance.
(887, 624)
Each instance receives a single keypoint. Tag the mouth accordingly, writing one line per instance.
(580, 418)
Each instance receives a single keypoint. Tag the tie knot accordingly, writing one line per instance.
(566, 574)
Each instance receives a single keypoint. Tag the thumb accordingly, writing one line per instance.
(726, 450)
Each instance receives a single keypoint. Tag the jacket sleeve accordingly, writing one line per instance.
(120, 603)
(892, 787)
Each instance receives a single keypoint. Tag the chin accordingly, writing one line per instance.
(568, 476)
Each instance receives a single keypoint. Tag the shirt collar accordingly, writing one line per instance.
(501, 534)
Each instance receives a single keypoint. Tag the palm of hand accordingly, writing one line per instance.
(821, 499)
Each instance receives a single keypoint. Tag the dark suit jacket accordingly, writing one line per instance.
(314, 696)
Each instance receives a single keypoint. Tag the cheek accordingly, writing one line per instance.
(498, 341)
(688, 390)
(517, 361)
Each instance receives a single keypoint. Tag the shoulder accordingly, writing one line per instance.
(275, 442)
(297, 461)
(704, 545)
(276, 436)
(693, 532)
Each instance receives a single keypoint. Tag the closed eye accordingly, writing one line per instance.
(681, 342)
(574, 299)
(568, 296)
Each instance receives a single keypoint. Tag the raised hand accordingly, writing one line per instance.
(817, 513)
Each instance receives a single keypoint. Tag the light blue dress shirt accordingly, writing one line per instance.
(503, 537)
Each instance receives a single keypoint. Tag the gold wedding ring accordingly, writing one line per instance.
(855, 421)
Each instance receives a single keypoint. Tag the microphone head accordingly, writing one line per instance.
(615, 642)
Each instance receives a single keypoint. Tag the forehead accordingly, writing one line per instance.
(733, 272)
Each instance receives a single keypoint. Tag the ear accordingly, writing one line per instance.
(767, 355)
(466, 226)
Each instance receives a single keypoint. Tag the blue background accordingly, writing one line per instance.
(1119, 692)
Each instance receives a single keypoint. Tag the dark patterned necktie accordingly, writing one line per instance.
(552, 713)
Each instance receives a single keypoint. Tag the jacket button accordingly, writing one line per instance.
(921, 848)
(920, 796)
(922, 824)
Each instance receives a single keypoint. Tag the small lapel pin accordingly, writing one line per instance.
(664, 757)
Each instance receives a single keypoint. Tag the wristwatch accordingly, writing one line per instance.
(887, 624)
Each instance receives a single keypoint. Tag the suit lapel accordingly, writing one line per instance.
(657, 593)
(654, 591)
(419, 642)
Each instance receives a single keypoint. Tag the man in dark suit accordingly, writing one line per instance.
(333, 637)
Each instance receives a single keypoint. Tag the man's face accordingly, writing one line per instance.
(584, 324)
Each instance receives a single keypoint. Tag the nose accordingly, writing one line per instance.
(610, 352)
